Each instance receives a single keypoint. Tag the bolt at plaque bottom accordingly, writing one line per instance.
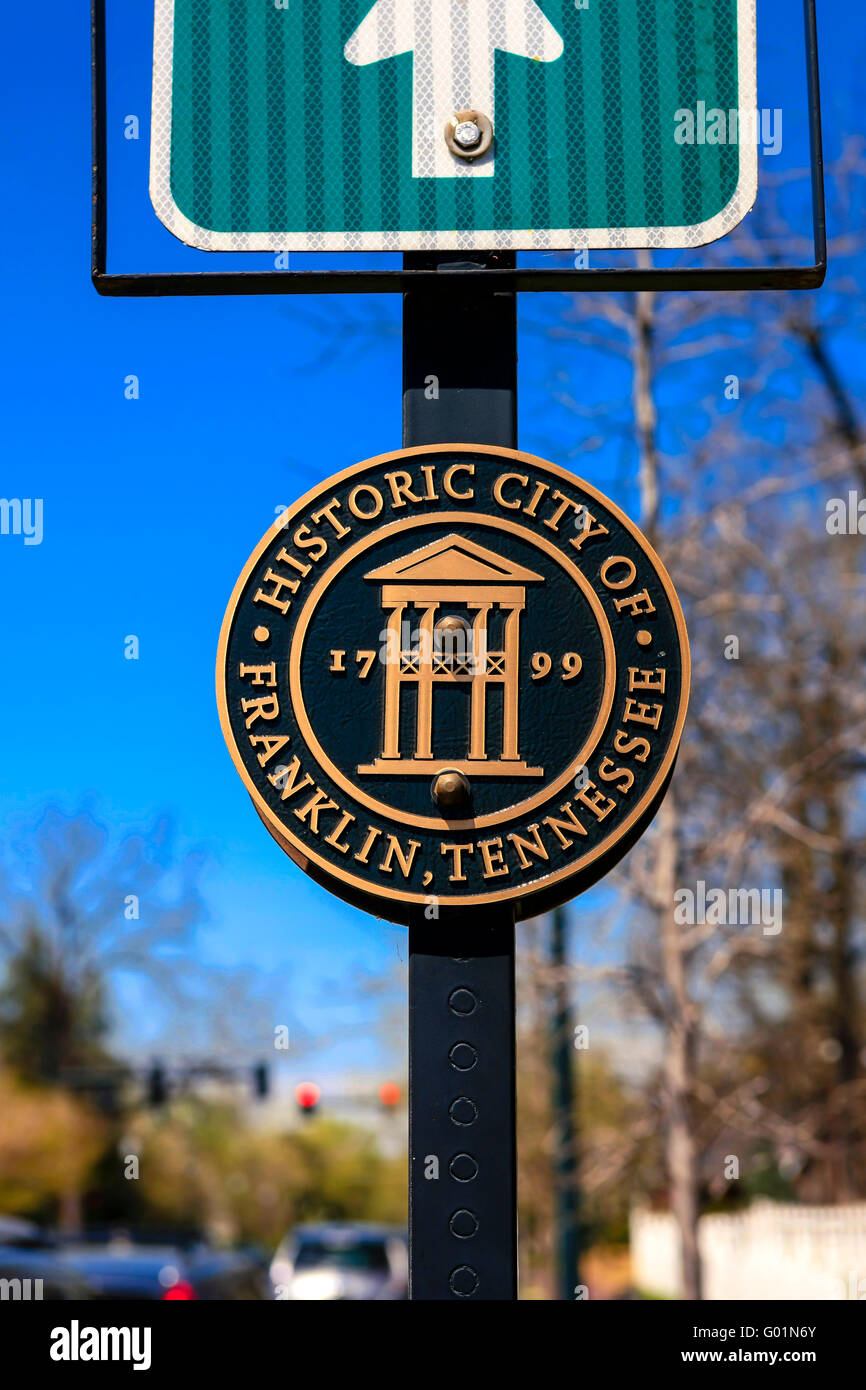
(451, 790)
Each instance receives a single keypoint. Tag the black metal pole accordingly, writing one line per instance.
(567, 1215)
(460, 387)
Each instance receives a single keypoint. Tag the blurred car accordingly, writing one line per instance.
(122, 1269)
(228, 1274)
(341, 1261)
(29, 1267)
(22, 1234)
(38, 1275)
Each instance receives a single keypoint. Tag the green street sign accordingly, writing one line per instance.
(392, 125)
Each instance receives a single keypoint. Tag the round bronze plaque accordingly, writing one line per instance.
(454, 676)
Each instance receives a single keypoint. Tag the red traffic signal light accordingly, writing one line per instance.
(389, 1094)
(307, 1095)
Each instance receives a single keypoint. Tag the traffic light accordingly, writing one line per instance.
(307, 1095)
(157, 1085)
(389, 1095)
(261, 1081)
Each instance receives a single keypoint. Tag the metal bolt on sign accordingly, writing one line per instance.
(451, 789)
(466, 134)
(469, 134)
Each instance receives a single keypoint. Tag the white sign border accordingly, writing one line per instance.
(553, 239)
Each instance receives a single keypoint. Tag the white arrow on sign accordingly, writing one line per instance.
(453, 43)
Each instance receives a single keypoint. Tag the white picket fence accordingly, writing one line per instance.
(773, 1250)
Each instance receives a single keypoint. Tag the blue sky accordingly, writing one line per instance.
(152, 506)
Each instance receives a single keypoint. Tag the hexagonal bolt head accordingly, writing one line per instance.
(451, 789)
(469, 134)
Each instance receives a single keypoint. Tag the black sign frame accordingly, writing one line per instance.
(497, 269)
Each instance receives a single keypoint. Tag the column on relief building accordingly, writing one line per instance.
(424, 709)
(511, 687)
(393, 670)
(478, 691)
